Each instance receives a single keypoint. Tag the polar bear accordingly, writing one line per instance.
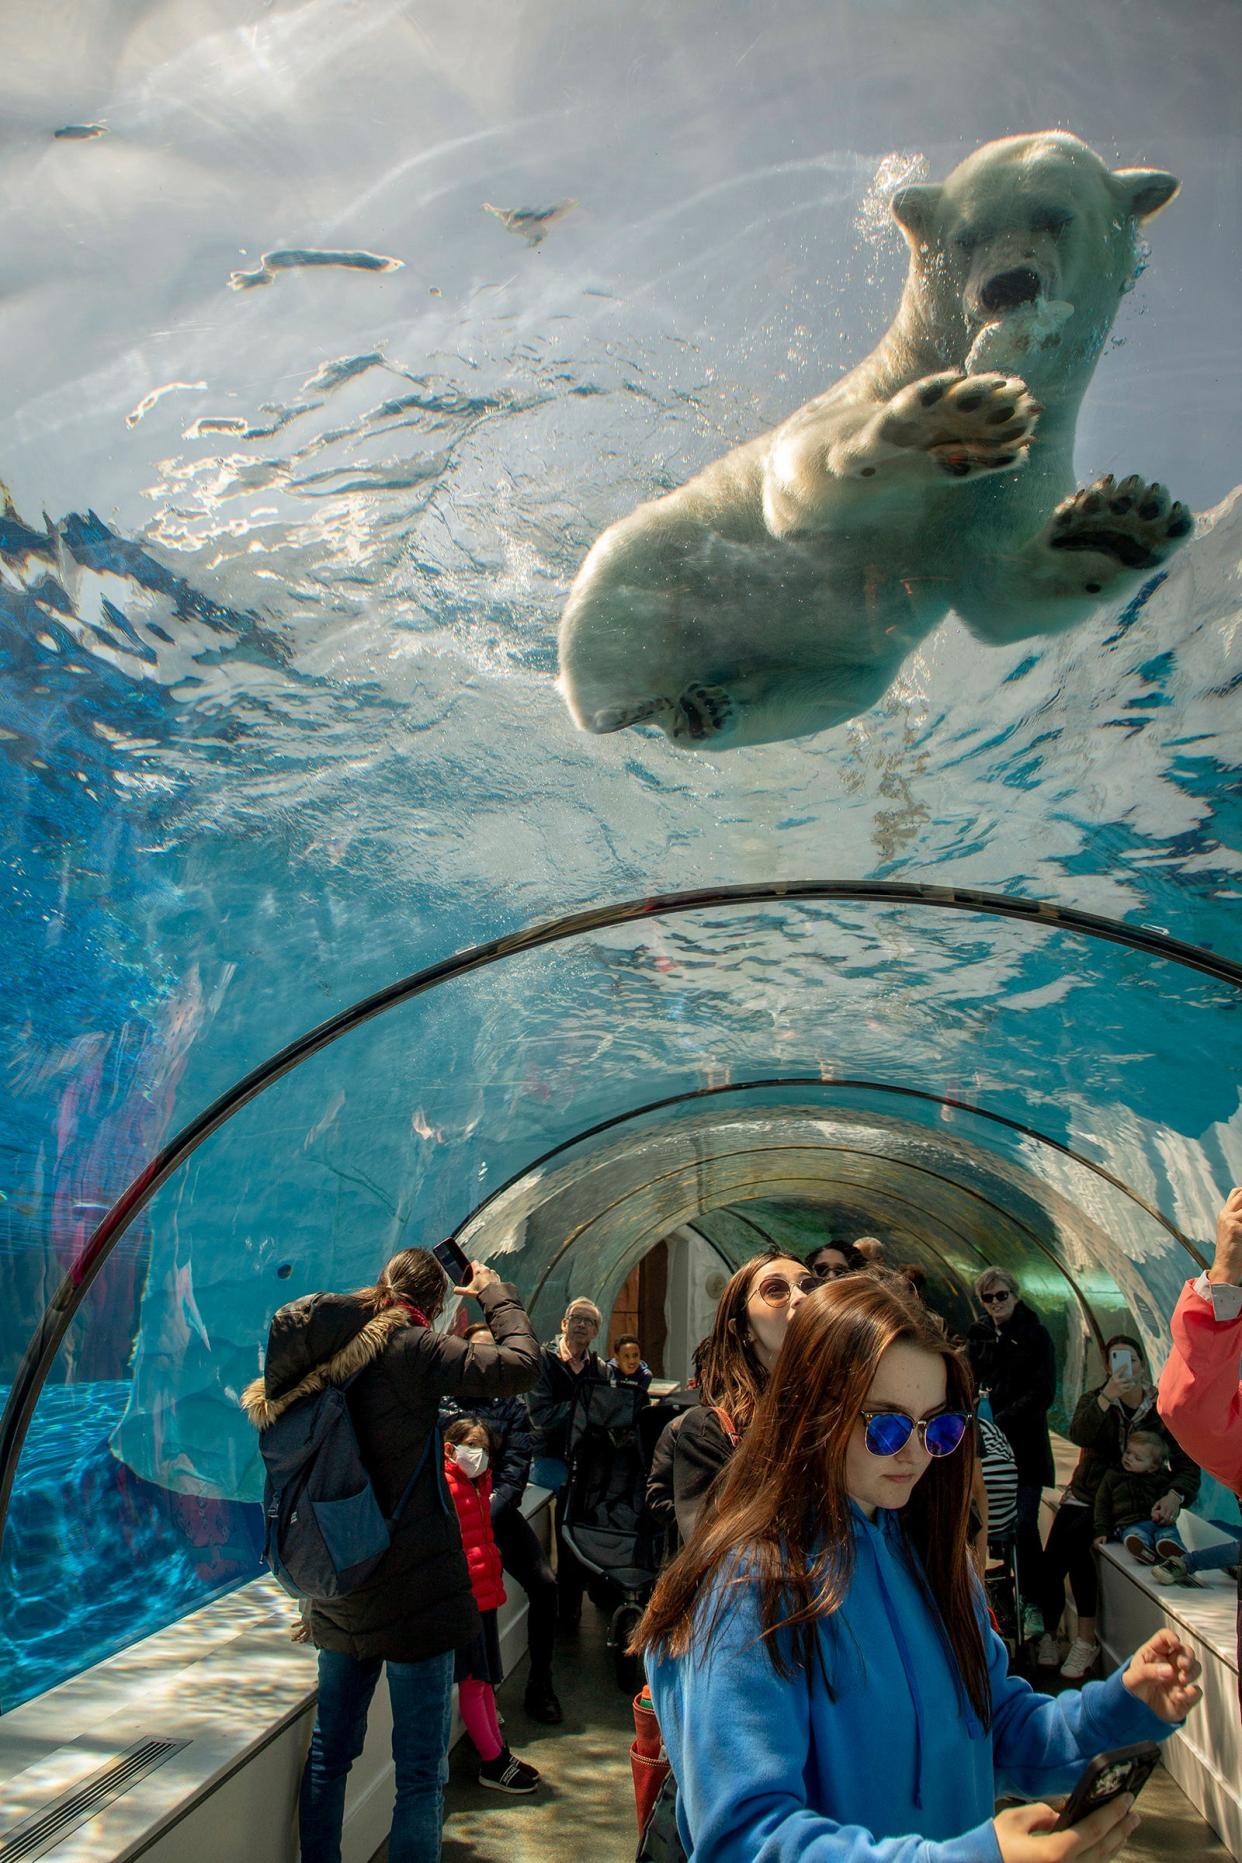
(777, 592)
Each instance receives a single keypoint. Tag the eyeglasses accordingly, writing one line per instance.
(997, 1299)
(823, 1272)
(777, 1292)
(890, 1430)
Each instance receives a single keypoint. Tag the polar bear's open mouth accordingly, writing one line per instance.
(1010, 290)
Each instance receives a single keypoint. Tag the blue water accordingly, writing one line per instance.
(329, 350)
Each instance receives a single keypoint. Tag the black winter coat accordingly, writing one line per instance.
(509, 1421)
(1102, 1437)
(552, 1399)
(419, 1602)
(1017, 1365)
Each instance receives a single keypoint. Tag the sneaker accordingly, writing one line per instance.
(1048, 1655)
(1032, 1623)
(1175, 1572)
(1169, 1549)
(1081, 1659)
(1138, 1548)
(507, 1774)
(542, 1704)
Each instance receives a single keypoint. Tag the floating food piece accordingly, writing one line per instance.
(531, 222)
(298, 256)
(1005, 343)
(80, 132)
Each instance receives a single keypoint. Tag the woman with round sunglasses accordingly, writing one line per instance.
(826, 1679)
(734, 1364)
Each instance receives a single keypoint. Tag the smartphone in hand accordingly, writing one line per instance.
(1121, 1362)
(454, 1261)
(1125, 1769)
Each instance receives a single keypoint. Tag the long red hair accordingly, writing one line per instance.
(781, 1519)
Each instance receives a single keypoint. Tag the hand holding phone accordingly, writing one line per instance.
(1121, 1363)
(1125, 1769)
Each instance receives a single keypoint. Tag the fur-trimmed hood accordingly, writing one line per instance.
(319, 1340)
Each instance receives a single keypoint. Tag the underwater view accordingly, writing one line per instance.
(684, 563)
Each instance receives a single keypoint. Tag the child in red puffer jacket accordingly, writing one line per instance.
(468, 1448)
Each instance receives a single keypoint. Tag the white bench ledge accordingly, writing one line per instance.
(227, 1679)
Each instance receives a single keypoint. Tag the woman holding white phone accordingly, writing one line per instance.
(1103, 1421)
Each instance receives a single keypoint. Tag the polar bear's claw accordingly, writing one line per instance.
(1134, 523)
(703, 711)
(964, 423)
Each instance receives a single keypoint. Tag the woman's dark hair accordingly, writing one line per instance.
(729, 1373)
(782, 1518)
(848, 1253)
(462, 1427)
(414, 1275)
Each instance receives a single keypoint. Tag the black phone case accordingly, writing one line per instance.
(1140, 1761)
(457, 1265)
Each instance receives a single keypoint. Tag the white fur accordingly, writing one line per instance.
(777, 592)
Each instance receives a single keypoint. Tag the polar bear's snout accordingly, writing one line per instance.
(1007, 290)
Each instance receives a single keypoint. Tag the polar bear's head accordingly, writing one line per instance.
(1024, 220)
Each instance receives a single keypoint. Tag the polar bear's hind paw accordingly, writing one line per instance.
(703, 711)
(1135, 523)
(621, 717)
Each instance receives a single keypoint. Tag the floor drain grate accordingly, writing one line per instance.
(40, 1832)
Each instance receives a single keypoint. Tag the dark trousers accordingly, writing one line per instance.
(572, 1578)
(1070, 1554)
(525, 1560)
(1028, 1544)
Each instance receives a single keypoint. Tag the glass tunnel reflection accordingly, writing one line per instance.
(334, 341)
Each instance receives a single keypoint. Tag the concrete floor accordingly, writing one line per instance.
(586, 1806)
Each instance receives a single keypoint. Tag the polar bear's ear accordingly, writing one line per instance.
(1144, 191)
(914, 209)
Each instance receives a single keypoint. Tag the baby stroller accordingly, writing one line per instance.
(605, 1519)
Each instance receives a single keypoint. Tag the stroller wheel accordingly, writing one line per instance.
(627, 1669)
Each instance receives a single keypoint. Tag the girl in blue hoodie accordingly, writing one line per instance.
(825, 1676)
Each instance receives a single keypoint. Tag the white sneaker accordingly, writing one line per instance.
(1082, 1658)
(1048, 1656)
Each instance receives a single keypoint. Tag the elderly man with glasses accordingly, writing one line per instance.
(1012, 1357)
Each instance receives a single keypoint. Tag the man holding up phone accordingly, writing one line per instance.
(1200, 1397)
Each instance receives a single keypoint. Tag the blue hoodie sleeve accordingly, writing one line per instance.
(738, 1736)
(1040, 1743)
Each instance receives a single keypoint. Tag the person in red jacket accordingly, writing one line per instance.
(468, 1449)
(1200, 1397)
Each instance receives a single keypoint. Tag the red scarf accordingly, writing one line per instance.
(416, 1313)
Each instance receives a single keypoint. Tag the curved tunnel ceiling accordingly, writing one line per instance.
(334, 338)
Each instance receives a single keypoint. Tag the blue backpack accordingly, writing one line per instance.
(324, 1530)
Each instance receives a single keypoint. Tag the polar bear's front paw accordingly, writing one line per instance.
(966, 424)
(703, 711)
(620, 717)
(1131, 525)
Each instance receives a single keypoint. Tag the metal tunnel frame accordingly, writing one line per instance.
(45, 1341)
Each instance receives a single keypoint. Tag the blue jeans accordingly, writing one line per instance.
(1214, 1558)
(1149, 1533)
(422, 1709)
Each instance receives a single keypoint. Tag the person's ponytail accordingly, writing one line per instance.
(413, 1276)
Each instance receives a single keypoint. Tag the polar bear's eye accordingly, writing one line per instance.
(966, 241)
(1052, 220)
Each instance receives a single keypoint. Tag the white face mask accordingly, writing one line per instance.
(470, 1459)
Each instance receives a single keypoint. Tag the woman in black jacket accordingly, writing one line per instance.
(1012, 1357)
(1102, 1424)
(733, 1365)
(417, 1608)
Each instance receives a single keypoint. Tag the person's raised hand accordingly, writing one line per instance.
(1164, 1674)
(1228, 1263)
(480, 1278)
(1123, 1390)
(1026, 1835)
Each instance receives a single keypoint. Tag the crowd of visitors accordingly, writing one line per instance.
(827, 1486)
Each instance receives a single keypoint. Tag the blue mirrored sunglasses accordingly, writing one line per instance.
(890, 1430)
